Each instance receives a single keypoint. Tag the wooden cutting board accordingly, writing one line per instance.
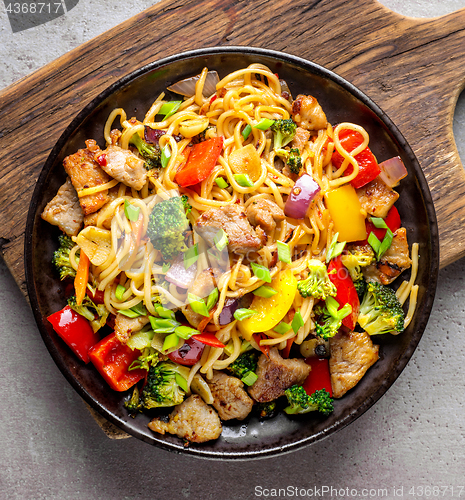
(412, 68)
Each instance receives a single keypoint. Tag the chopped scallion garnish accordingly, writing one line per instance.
(282, 328)
(284, 252)
(119, 292)
(185, 332)
(243, 313)
(265, 291)
(220, 240)
(249, 378)
(170, 341)
(165, 156)
(243, 180)
(261, 272)
(198, 305)
(181, 381)
(134, 312)
(212, 298)
(246, 131)
(335, 248)
(163, 312)
(264, 124)
(190, 256)
(221, 182)
(297, 322)
(169, 108)
(130, 211)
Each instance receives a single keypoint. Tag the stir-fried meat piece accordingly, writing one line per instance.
(64, 210)
(125, 166)
(276, 374)
(377, 198)
(308, 114)
(193, 420)
(230, 399)
(232, 219)
(264, 213)
(202, 286)
(91, 219)
(351, 355)
(84, 173)
(393, 262)
(300, 139)
(125, 327)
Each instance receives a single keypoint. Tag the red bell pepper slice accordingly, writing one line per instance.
(287, 350)
(392, 221)
(264, 348)
(208, 339)
(346, 292)
(200, 162)
(368, 168)
(75, 330)
(113, 359)
(320, 376)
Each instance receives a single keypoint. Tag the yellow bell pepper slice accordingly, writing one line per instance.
(270, 311)
(345, 210)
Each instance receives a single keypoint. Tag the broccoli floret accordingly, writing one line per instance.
(292, 158)
(381, 311)
(97, 314)
(267, 410)
(244, 363)
(330, 317)
(284, 132)
(134, 404)
(60, 257)
(301, 402)
(361, 287)
(357, 258)
(162, 387)
(150, 153)
(166, 227)
(317, 284)
(149, 357)
(186, 204)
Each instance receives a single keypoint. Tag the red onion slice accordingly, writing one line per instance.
(179, 275)
(392, 171)
(187, 87)
(300, 197)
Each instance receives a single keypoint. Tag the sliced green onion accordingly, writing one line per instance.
(181, 381)
(221, 182)
(185, 332)
(379, 222)
(190, 256)
(169, 108)
(385, 244)
(374, 242)
(335, 248)
(297, 322)
(198, 305)
(170, 342)
(246, 131)
(261, 272)
(243, 180)
(284, 252)
(249, 378)
(265, 291)
(243, 313)
(119, 292)
(130, 211)
(282, 328)
(212, 298)
(163, 312)
(165, 267)
(220, 239)
(138, 310)
(164, 323)
(264, 124)
(165, 156)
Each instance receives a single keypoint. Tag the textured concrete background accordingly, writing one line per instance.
(51, 448)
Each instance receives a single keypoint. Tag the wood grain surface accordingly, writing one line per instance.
(413, 69)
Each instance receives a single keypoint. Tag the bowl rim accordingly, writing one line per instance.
(315, 69)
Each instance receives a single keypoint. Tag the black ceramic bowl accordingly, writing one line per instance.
(342, 102)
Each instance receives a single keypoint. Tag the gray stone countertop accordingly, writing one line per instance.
(410, 444)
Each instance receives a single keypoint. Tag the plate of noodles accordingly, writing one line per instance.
(231, 253)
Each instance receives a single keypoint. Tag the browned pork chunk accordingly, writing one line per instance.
(125, 166)
(264, 213)
(276, 374)
(64, 210)
(351, 356)
(193, 420)
(393, 262)
(377, 198)
(308, 114)
(230, 399)
(300, 139)
(125, 327)
(84, 173)
(232, 219)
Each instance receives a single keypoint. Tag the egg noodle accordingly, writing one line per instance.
(243, 98)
